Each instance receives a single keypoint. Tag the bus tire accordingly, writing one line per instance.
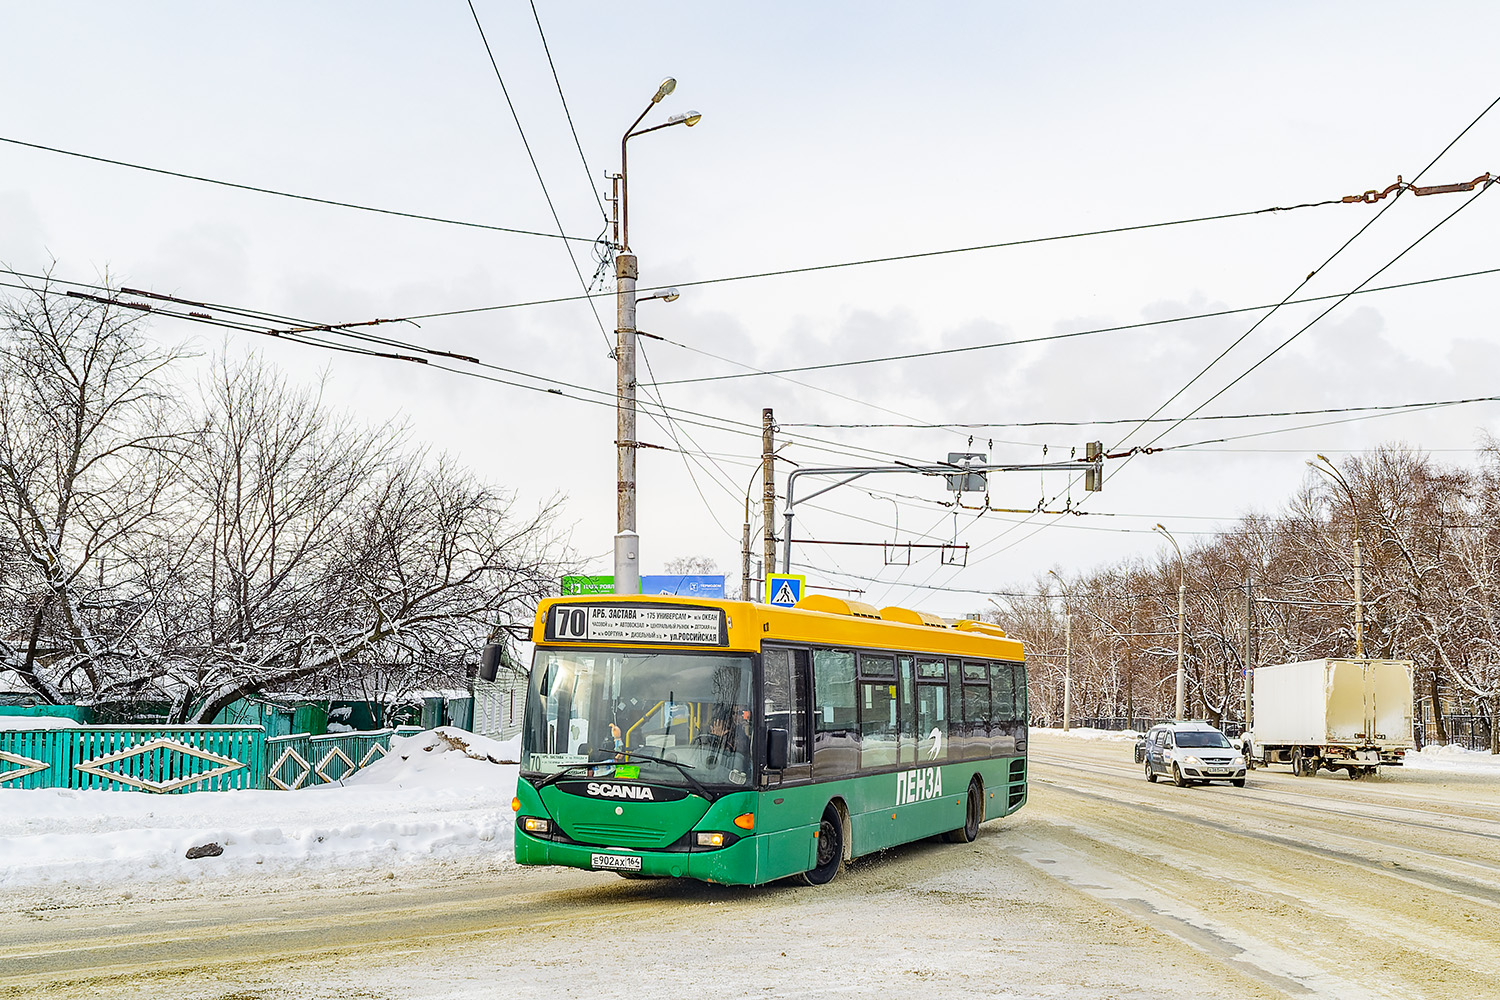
(973, 812)
(830, 849)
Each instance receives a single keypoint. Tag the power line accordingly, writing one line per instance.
(588, 174)
(297, 197)
(894, 258)
(1399, 189)
(1275, 350)
(1161, 420)
(537, 169)
(1124, 327)
(1345, 245)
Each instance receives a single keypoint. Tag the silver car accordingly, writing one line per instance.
(1191, 753)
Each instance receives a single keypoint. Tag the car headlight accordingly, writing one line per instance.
(1191, 761)
(1237, 762)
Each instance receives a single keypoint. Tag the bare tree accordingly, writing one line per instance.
(87, 464)
(322, 544)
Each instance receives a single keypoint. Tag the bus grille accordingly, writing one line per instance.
(1017, 783)
(617, 835)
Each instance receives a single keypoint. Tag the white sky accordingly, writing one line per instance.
(839, 133)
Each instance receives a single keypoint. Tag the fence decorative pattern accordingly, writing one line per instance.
(183, 758)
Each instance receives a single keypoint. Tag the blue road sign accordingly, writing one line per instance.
(784, 589)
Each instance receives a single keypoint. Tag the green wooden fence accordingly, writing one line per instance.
(301, 761)
(182, 758)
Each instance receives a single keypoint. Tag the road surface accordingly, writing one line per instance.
(1102, 886)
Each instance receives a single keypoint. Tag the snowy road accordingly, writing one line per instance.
(1103, 886)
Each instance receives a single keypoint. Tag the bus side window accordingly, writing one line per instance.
(1019, 673)
(932, 710)
(835, 717)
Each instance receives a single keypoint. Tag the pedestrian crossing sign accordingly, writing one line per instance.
(784, 589)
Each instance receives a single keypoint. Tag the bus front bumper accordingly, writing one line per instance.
(732, 865)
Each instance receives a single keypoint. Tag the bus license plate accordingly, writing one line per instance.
(617, 862)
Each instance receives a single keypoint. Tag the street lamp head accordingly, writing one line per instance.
(667, 86)
(688, 118)
(665, 294)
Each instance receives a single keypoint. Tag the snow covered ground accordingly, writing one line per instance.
(440, 794)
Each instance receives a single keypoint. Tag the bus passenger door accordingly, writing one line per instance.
(784, 821)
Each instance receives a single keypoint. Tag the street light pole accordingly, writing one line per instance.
(627, 541)
(1359, 557)
(1067, 656)
(1181, 616)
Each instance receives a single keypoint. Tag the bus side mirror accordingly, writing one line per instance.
(778, 749)
(489, 661)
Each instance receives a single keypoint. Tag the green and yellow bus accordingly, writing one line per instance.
(741, 743)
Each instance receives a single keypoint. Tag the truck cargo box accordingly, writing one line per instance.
(1324, 709)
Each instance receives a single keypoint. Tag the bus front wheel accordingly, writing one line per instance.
(830, 849)
(973, 810)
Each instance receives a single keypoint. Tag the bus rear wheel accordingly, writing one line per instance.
(973, 811)
(830, 849)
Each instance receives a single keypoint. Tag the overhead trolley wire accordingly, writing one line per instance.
(296, 197)
(1399, 188)
(1277, 349)
(264, 323)
(1362, 230)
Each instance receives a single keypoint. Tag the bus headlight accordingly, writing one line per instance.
(533, 824)
(706, 839)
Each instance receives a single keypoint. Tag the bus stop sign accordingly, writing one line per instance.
(784, 589)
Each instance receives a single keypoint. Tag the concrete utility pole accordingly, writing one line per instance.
(768, 483)
(1181, 618)
(1067, 655)
(627, 541)
(1249, 644)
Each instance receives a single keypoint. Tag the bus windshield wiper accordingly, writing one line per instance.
(684, 768)
(555, 776)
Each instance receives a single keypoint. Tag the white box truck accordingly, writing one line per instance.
(1352, 715)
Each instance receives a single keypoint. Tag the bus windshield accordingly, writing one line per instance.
(678, 717)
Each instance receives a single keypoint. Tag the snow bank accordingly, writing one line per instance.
(443, 793)
(1452, 758)
(1083, 733)
(36, 722)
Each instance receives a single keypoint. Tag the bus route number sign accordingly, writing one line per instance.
(658, 624)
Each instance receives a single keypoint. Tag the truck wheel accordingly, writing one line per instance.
(1150, 774)
(1299, 764)
(1177, 778)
